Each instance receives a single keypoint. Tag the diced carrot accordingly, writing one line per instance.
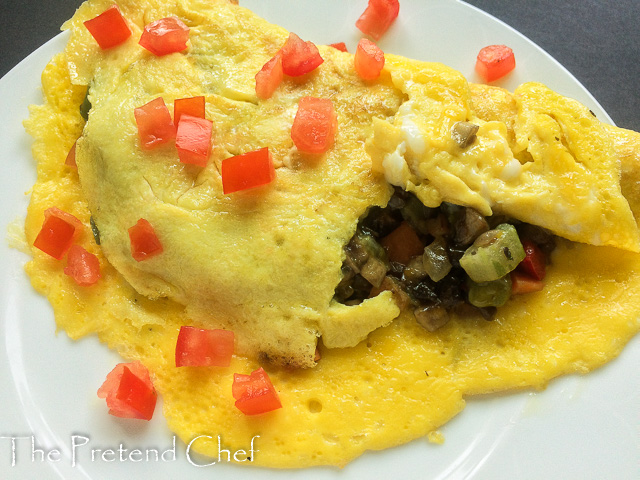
(402, 244)
(523, 283)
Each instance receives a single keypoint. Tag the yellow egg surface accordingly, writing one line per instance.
(240, 256)
(560, 171)
(399, 384)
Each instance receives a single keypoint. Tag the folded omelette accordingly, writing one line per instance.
(265, 263)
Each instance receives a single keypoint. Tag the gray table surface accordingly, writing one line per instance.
(597, 41)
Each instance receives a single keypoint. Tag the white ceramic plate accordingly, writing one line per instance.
(579, 427)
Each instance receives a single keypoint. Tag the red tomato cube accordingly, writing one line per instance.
(269, 77)
(193, 140)
(535, 261)
(368, 60)
(155, 126)
(249, 170)
(198, 347)
(58, 232)
(299, 57)
(144, 241)
(314, 126)
(82, 266)
(194, 106)
(255, 393)
(378, 17)
(109, 29)
(339, 46)
(494, 62)
(164, 36)
(129, 392)
(241, 383)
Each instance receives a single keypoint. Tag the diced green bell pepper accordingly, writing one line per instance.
(493, 254)
(490, 294)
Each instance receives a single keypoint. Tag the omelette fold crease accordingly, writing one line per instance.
(265, 263)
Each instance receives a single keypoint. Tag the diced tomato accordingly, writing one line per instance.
(70, 161)
(155, 126)
(378, 17)
(249, 170)
(241, 383)
(314, 126)
(198, 347)
(58, 232)
(269, 77)
(109, 29)
(494, 62)
(144, 241)
(82, 266)
(129, 392)
(368, 60)
(164, 36)
(339, 46)
(299, 57)
(194, 106)
(523, 283)
(402, 244)
(193, 140)
(535, 261)
(255, 393)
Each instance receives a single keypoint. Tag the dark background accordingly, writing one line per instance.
(598, 41)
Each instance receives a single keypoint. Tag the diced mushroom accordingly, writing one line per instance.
(431, 317)
(374, 271)
(464, 133)
(414, 272)
(400, 296)
(469, 226)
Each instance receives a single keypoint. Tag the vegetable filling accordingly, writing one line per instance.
(441, 261)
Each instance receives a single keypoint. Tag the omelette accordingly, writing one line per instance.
(266, 263)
